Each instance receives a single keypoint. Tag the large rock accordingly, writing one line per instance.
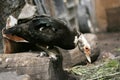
(29, 66)
(74, 57)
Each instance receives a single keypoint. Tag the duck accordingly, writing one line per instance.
(50, 32)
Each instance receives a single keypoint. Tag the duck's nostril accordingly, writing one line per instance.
(86, 49)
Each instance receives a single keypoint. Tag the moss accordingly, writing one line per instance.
(117, 49)
(102, 71)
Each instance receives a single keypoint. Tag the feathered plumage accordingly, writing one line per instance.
(44, 31)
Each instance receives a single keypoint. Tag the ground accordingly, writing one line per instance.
(109, 42)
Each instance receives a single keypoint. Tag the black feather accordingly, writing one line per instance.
(44, 30)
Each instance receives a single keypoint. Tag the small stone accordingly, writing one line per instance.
(8, 60)
(0, 60)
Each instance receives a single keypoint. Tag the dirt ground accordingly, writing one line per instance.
(109, 42)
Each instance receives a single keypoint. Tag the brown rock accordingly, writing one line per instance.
(74, 57)
(37, 68)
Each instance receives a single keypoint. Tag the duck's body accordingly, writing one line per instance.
(45, 31)
(48, 31)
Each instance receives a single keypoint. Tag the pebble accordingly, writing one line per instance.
(0, 60)
(8, 59)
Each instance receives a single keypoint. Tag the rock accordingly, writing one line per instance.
(13, 76)
(74, 57)
(29, 66)
(28, 11)
(106, 55)
(9, 7)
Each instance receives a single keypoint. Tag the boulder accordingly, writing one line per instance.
(74, 56)
(30, 66)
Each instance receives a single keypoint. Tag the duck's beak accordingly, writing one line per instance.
(87, 53)
(83, 46)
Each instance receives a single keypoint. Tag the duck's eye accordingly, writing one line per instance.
(40, 27)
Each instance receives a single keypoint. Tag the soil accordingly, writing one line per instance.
(109, 42)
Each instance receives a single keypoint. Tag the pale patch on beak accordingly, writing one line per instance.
(83, 46)
(88, 58)
(87, 52)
